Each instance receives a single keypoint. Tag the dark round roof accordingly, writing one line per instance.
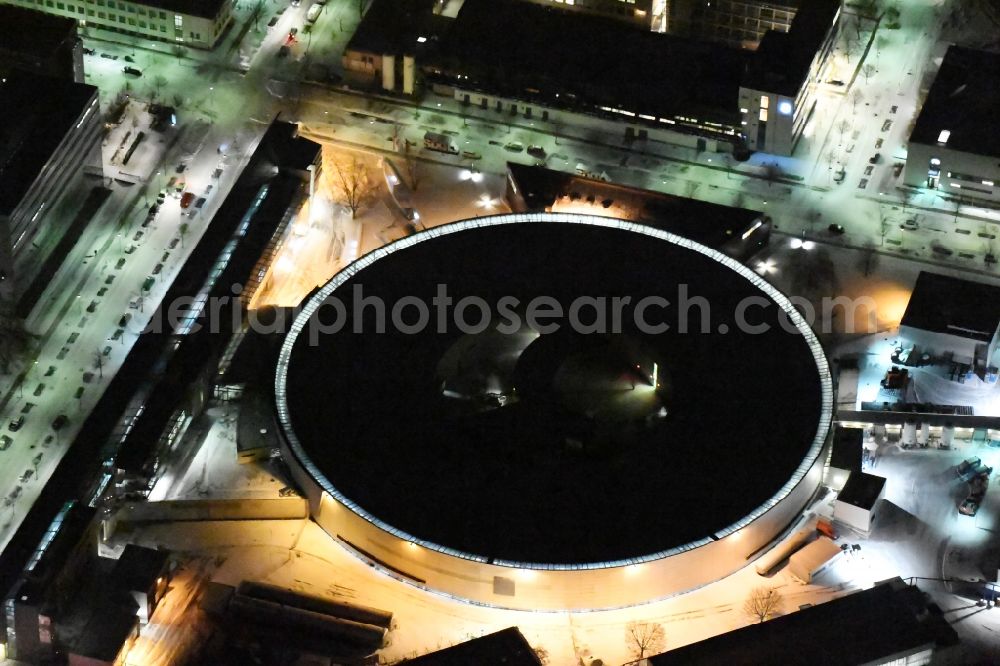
(553, 449)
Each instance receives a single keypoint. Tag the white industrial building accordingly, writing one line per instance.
(858, 500)
(951, 317)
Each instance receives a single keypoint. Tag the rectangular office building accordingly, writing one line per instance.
(197, 23)
(954, 148)
(50, 163)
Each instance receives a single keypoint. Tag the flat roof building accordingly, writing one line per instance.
(198, 23)
(589, 74)
(507, 647)
(857, 502)
(954, 147)
(887, 624)
(737, 232)
(40, 43)
(51, 170)
(951, 316)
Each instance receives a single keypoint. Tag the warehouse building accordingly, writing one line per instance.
(197, 23)
(953, 148)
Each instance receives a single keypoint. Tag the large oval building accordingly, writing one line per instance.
(549, 411)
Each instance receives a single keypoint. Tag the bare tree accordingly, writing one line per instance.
(868, 70)
(843, 127)
(255, 11)
(15, 340)
(691, 188)
(412, 166)
(542, 654)
(856, 97)
(772, 172)
(645, 639)
(350, 182)
(99, 363)
(762, 603)
(158, 82)
(183, 230)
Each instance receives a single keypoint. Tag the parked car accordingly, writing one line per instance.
(124, 320)
(910, 224)
(187, 199)
(966, 465)
(874, 159)
(26, 475)
(217, 173)
(514, 147)
(5, 442)
(878, 143)
(16, 424)
(969, 507)
(59, 422)
(836, 229)
(132, 71)
(536, 151)
(200, 203)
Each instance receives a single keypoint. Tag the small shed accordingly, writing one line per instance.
(857, 502)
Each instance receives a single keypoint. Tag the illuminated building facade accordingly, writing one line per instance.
(636, 12)
(198, 23)
(739, 23)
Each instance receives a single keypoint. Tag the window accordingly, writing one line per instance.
(763, 115)
(764, 101)
(131, 21)
(142, 24)
(101, 15)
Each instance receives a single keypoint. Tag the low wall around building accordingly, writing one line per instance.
(536, 588)
(284, 508)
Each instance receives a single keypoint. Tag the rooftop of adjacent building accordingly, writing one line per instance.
(507, 647)
(138, 568)
(33, 33)
(394, 26)
(890, 618)
(846, 452)
(520, 49)
(782, 60)
(202, 8)
(702, 221)
(963, 102)
(36, 114)
(862, 490)
(944, 304)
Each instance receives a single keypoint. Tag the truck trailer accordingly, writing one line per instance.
(814, 559)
